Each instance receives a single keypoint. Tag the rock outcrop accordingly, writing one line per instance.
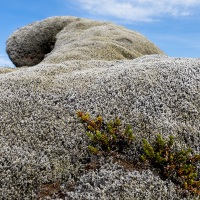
(58, 39)
(43, 146)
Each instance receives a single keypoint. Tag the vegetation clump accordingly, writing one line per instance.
(106, 137)
(177, 165)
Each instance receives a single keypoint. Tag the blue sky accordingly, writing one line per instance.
(173, 25)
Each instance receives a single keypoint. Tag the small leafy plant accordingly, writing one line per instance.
(108, 136)
(179, 165)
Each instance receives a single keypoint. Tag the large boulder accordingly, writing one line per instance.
(43, 146)
(57, 39)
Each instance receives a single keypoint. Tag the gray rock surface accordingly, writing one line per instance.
(58, 39)
(28, 45)
(42, 141)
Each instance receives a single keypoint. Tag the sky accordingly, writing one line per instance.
(172, 25)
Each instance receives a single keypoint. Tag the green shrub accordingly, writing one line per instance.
(106, 136)
(179, 165)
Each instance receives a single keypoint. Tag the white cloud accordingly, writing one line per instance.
(5, 61)
(139, 10)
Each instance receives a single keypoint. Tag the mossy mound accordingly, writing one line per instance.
(58, 39)
(42, 142)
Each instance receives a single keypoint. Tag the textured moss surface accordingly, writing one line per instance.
(58, 39)
(42, 141)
